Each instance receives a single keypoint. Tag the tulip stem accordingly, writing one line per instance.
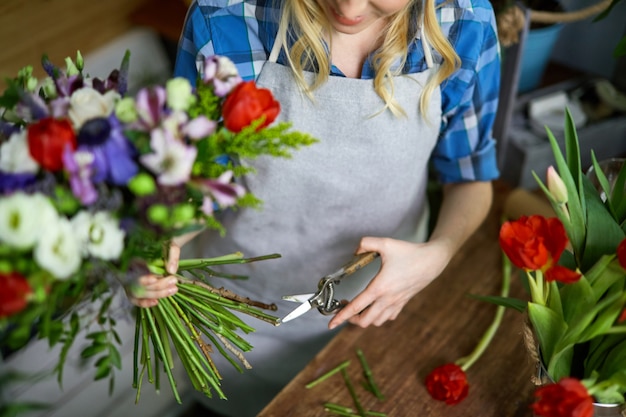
(466, 362)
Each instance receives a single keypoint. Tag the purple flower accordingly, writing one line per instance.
(113, 154)
(79, 165)
(219, 193)
(150, 104)
(14, 182)
(222, 73)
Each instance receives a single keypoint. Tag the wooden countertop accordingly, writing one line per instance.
(439, 325)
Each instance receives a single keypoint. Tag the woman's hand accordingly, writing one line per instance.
(409, 267)
(406, 269)
(152, 287)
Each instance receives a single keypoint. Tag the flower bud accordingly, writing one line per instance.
(71, 68)
(158, 214)
(142, 184)
(182, 213)
(49, 88)
(80, 63)
(179, 93)
(556, 186)
(125, 110)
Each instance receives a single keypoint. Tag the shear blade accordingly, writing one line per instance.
(298, 298)
(300, 310)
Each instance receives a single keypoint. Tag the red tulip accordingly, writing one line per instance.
(47, 140)
(567, 398)
(14, 292)
(447, 383)
(247, 103)
(536, 243)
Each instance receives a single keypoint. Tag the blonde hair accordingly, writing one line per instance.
(303, 23)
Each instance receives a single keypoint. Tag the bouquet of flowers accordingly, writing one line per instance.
(94, 184)
(574, 266)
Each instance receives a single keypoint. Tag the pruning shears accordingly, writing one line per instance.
(324, 298)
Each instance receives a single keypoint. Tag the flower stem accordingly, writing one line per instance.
(355, 398)
(368, 375)
(328, 374)
(466, 362)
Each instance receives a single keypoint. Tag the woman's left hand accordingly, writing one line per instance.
(406, 269)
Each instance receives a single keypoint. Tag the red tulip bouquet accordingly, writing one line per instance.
(575, 268)
(94, 183)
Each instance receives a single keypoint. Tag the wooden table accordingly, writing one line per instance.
(440, 325)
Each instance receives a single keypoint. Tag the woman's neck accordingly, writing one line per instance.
(350, 51)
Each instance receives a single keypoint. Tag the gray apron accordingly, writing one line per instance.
(365, 177)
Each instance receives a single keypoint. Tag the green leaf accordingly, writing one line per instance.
(604, 274)
(606, 11)
(603, 233)
(620, 49)
(116, 358)
(103, 368)
(549, 327)
(93, 350)
(578, 297)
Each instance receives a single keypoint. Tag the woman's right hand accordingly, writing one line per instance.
(151, 287)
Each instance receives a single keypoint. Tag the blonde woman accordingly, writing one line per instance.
(390, 88)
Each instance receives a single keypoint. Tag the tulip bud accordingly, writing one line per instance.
(556, 186)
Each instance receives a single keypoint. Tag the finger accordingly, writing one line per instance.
(143, 302)
(360, 303)
(172, 259)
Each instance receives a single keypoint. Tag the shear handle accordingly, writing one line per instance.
(351, 267)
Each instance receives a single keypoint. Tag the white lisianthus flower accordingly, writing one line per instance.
(179, 93)
(171, 159)
(99, 235)
(23, 219)
(87, 103)
(58, 250)
(15, 157)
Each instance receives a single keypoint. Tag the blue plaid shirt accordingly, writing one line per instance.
(465, 150)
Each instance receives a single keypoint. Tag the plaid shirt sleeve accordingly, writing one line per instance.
(209, 29)
(466, 150)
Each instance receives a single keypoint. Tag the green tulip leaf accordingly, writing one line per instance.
(578, 297)
(604, 274)
(549, 327)
(561, 363)
(603, 233)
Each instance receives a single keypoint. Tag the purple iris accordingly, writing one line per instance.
(113, 153)
(14, 182)
(79, 165)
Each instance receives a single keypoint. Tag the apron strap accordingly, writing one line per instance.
(278, 44)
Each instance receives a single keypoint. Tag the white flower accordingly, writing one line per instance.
(179, 93)
(172, 160)
(23, 219)
(58, 250)
(15, 157)
(99, 235)
(87, 103)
